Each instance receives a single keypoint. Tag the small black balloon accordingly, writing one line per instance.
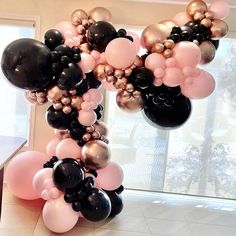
(100, 34)
(70, 77)
(69, 197)
(67, 174)
(53, 38)
(63, 50)
(97, 206)
(57, 118)
(27, 64)
(116, 203)
(82, 87)
(92, 81)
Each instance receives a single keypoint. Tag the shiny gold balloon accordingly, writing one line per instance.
(99, 72)
(100, 14)
(207, 52)
(219, 29)
(76, 102)
(169, 23)
(196, 6)
(95, 154)
(129, 103)
(54, 94)
(101, 128)
(84, 47)
(77, 16)
(155, 33)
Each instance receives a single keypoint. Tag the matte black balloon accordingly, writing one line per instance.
(67, 174)
(166, 109)
(27, 64)
(97, 206)
(187, 33)
(82, 87)
(63, 50)
(57, 118)
(116, 203)
(216, 43)
(92, 81)
(100, 34)
(141, 78)
(53, 38)
(70, 77)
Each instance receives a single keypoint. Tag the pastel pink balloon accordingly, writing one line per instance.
(157, 82)
(95, 54)
(102, 59)
(39, 180)
(110, 177)
(159, 73)
(86, 106)
(21, 171)
(200, 87)
(170, 62)
(51, 146)
(87, 62)
(69, 43)
(188, 71)
(181, 18)
(173, 77)
(48, 183)
(87, 97)
(154, 61)
(67, 29)
(136, 41)
(95, 95)
(58, 216)
(108, 86)
(220, 8)
(187, 54)
(120, 53)
(68, 148)
(45, 195)
(87, 118)
(54, 193)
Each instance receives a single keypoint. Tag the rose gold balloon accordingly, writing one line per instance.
(196, 6)
(77, 16)
(95, 154)
(169, 23)
(218, 29)
(84, 47)
(101, 128)
(54, 94)
(129, 103)
(76, 102)
(207, 52)
(100, 14)
(155, 33)
(61, 134)
(31, 97)
(99, 72)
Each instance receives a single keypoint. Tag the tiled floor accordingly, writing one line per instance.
(144, 214)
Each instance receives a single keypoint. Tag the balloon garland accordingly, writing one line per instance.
(68, 70)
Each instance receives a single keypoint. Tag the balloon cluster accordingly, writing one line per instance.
(68, 70)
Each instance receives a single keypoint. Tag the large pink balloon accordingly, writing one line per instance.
(173, 77)
(120, 53)
(200, 87)
(154, 61)
(187, 54)
(68, 148)
(52, 145)
(39, 179)
(95, 95)
(87, 118)
(21, 171)
(136, 41)
(220, 8)
(110, 177)
(67, 29)
(181, 18)
(87, 62)
(59, 216)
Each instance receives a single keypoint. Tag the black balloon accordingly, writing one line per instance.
(116, 203)
(216, 43)
(70, 77)
(53, 38)
(27, 64)
(67, 174)
(166, 108)
(82, 87)
(100, 34)
(63, 50)
(141, 78)
(97, 206)
(57, 118)
(92, 81)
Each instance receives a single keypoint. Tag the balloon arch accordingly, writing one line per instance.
(76, 177)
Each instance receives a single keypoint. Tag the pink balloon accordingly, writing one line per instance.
(136, 41)
(87, 118)
(39, 179)
(58, 216)
(21, 171)
(87, 62)
(170, 62)
(187, 54)
(110, 177)
(120, 53)
(108, 86)
(173, 77)
(48, 183)
(102, 59)
(159, 73)
(54, 193)
(67, 29)
(95, 95)
(52, 145)
(182, 18)
(188, 71)
(200, 87)
(95, 54)
(157, 82)
(220, 8)
(68, 148)
(154, 61)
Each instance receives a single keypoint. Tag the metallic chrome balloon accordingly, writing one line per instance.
(196, 6)
(207, 52)
(101, 128)
(55, 94)
(219, 29)
(95, 154)
(100, 14)
(77, 16)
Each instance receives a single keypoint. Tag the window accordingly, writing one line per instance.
(14, 108)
